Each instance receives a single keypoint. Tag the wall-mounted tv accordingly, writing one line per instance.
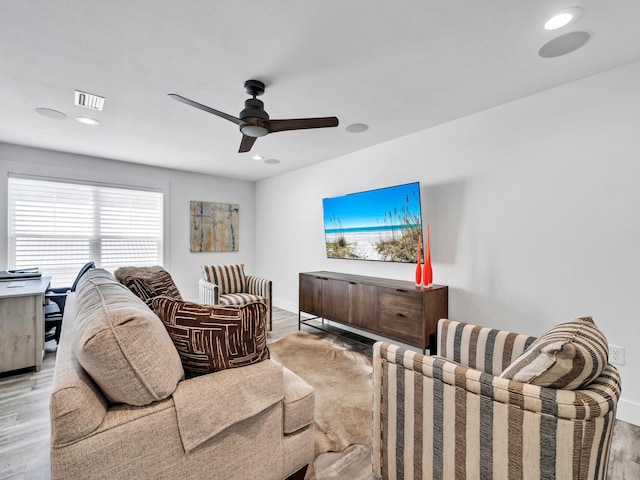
(382, 224)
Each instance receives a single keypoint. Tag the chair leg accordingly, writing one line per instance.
(299, 475)
(58, 332)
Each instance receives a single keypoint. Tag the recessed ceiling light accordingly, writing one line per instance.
(258, 157)
(357, 127)
(564, 44)
(272, 161)
(563, 18)
(51, 113)
(87, 120)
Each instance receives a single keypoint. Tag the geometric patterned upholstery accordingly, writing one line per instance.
(151, 285)
(210, 338)
(434, 417)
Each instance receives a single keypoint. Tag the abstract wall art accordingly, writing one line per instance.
(214, 227)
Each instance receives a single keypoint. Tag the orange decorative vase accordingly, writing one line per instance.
(418, 266)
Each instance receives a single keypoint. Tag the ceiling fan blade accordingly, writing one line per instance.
(300, 124)
(191, 103)
(246, 143)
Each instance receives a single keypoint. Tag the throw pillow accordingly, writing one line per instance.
(228, 278)
(122, 344)
(122, 272)
(152, 285)
(213, 337)
(569, 356)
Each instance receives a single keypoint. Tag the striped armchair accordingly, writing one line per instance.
(229, 285)
(453, 417)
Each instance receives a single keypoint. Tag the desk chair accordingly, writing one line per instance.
(54, 309)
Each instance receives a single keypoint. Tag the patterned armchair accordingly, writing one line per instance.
(229, 285)
(456, 416)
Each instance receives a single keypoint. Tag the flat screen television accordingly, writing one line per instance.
(382, 224)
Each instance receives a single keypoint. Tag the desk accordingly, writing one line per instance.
(22, 324)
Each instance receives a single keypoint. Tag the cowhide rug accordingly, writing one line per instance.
(342, 379)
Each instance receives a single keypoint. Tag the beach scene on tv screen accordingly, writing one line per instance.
(383, 224)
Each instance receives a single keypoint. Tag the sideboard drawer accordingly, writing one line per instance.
(401, 315)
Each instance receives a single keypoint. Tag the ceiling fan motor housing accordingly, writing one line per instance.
(254, 108)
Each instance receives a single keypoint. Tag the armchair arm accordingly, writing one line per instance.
(262, 287)
(207, 292)
(486, 349)
(225, 398)
(431, 413)
(258, 286)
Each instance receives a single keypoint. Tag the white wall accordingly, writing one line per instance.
(179, 187)
(534, 209)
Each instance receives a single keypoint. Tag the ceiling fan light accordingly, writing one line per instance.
(253, 130)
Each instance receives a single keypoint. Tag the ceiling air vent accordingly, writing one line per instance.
(89, 100)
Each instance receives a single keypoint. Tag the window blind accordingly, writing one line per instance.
(60, 226)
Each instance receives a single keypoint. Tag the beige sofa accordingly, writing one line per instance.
(120, 408)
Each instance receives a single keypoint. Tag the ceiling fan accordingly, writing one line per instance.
(254, 122)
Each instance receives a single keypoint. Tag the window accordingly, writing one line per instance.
(60, 226)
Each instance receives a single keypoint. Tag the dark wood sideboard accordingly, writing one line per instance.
(394, 309)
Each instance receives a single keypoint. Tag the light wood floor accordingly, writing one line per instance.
(24, 422)
(24, 419)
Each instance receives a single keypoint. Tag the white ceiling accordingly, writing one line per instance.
(398, 66)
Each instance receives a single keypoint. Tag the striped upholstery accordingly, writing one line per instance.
(485, 349)
(569, 356)
(434, 418)
(229, 278)
(256, 289)
(239, 299)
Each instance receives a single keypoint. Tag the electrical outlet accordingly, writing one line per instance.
(616, 354)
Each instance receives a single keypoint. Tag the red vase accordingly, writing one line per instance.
(418, 266)
(427, 273)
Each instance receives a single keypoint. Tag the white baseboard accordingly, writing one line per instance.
(283, 304)
(628, 412)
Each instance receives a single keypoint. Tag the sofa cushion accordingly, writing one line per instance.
(122, 344)
(569, 356)
(226, 398)
(299, 402)
(239, 298)
(212, 337)
(229, 278)
(151, 285)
